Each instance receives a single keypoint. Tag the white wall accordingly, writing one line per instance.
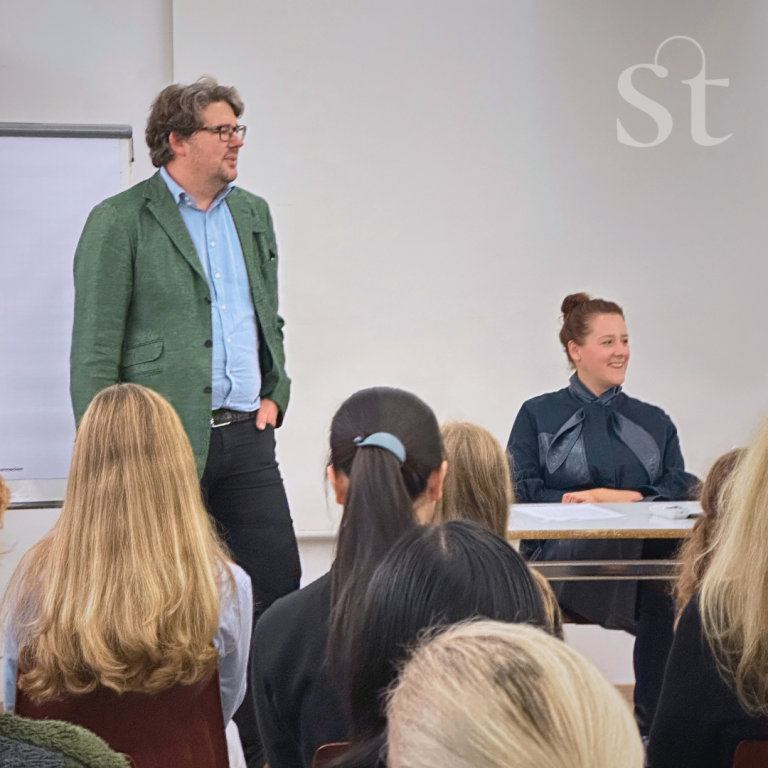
(443, 172)
(85, 61)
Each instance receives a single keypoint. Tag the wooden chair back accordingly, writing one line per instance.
(751, 754)
(181, 727)
(326, 753)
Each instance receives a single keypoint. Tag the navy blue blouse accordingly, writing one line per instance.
(572, 440)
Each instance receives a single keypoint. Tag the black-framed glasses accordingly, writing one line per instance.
(226, 132)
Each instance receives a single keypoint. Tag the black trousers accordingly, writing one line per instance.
(244, 492)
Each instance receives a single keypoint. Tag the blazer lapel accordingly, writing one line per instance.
(164, 209)
(248, 222)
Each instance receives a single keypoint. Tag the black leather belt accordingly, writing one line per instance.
(222, 417)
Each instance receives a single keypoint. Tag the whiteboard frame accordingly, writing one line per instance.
(49, 493)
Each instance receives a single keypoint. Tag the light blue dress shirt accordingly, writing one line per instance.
(236, 374)
(232, 641)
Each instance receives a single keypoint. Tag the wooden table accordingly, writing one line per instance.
(636, 522)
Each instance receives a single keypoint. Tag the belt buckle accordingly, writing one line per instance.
(220, 424)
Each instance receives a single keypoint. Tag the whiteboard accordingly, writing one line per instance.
(443, 172)
(52, 177)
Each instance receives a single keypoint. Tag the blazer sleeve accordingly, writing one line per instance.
(687, 721)
(103, 274)
(675, 484)
(528, 477)
(275, 384)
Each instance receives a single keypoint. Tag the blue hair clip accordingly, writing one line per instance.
(386, 441)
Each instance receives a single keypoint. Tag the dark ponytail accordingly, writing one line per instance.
(379, 502)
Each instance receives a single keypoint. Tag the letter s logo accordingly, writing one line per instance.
(660, 114)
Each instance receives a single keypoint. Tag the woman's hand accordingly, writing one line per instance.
(601, 496)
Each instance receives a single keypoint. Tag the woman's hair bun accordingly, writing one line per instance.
(572, 301)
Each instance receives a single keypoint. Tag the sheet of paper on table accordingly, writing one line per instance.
(558, 513)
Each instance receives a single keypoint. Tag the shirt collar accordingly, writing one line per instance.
(181, 197)
(579, 389)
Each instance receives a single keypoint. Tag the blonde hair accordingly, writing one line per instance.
(696, 550)
(123, 592)
(734, 590)
(478, 485)
(5, 498)
(495, 695)
(551, 606)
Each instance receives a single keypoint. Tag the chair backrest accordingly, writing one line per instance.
(181, 727)
(751, 754)
(328, 752)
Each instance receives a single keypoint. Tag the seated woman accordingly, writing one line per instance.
(434, 576)
(590, 442)
(131, 591)
(386, 468)
(715, 690)
(478, 486)
(696, 550)
(50, 744)
(507, 696)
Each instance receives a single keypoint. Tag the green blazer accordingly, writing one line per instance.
(143, 307)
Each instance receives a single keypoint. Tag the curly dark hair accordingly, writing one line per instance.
(178, 108)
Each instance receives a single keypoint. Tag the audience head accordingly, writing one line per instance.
(174, 128)
(478, 487)
(478, 484)
(733, 605)
(696, 550)
(507, 696)
(434, 576)
(123, 591)
(383, 496)
(594, 336)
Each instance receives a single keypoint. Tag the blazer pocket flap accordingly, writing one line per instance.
(143, 353)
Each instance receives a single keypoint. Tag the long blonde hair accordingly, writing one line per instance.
(696, 550)
(124, 590)
(478, 485)
(734, 591)
(503, 695)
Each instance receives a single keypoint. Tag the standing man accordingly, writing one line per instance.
(176, 289)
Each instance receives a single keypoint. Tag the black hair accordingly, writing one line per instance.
(379, 502)
(433, 577)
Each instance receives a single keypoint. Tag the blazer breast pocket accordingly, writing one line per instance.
(268, 265)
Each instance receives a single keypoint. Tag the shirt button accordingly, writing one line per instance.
(207, 391)
(229, 339)
(223, 306)
(213, 243)
(208, 343)
(217, 275)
